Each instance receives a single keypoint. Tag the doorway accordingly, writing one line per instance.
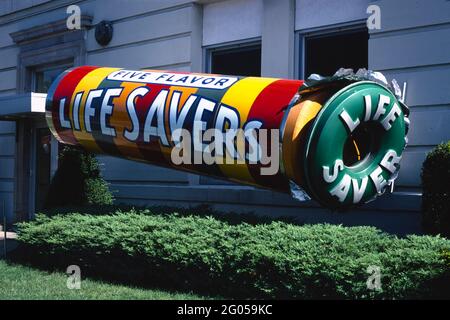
(44, 162)
(44, 155)
(42, 166)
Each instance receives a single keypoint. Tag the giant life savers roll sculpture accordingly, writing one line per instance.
(337, 140)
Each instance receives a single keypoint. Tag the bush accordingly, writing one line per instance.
(436, 191)
(275, 260)
(78, 181)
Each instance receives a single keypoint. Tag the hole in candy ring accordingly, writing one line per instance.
(361, 144)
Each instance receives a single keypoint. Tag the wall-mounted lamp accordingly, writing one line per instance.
(103, 32)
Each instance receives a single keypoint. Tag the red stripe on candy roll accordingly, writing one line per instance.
(65, 89)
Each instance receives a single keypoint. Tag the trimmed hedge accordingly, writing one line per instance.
(436, 191)
(78, 181)
(276, 260)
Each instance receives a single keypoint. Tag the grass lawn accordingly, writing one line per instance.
(19, 282)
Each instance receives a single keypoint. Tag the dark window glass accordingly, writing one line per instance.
(244, 61)
(325, 54)
(44, 78)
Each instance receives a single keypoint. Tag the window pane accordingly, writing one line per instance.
(238, 61)
(326, 54)
(45, 78)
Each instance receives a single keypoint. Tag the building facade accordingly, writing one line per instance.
(273, 38)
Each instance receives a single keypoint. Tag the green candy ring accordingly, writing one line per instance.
(355, 145)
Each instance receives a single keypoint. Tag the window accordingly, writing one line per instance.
(325, 53)
(241, 60)
(44, 76)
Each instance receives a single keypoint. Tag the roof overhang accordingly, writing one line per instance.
(20, 106)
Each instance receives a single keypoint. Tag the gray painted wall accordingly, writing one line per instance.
(226, 21)
(8, 60)
(413, 46)
(147, 34)
(163, 39)
(7, 157)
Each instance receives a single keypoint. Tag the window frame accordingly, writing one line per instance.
(323, 31)
(66, 64)
(232, 46)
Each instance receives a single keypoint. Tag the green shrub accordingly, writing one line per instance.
(436, 191)
(77, 181)
(202, 210)
(97, 192)
(446, 255)
(275, 260)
